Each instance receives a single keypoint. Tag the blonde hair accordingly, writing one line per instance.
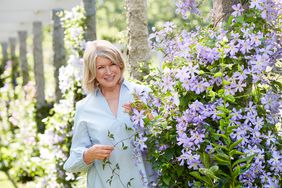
(94, 49)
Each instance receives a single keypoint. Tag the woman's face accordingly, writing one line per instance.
(108, 74)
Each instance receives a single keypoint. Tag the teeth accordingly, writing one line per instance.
(109, 78)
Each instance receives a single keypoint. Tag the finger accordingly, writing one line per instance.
(102, 156)
(127, 104)
(107, 147)
(106, 152)
(103, 147)
(127, 109)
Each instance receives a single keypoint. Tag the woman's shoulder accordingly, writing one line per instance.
(83, 102)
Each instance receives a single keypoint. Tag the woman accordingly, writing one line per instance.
(102, 131)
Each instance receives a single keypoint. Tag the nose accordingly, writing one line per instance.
(108, 70)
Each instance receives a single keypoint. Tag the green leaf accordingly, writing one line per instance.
(222, 124)
(220, 135)
(235, 144)
(222, 161)
(226, 83)
(199, 177)
(235, 152)
(236, 172)
(218, 74)
(214, 168)
(230, 129)
(223, 109)
(229, 22)
(240, 19)
(128, 128)
(277, 83)
(220, 172)
(201, 72)
(111, 135)
(166, 179)
(245, 167)
(117, 166)
(205, 158)
(242, 160)
(223, 156)
(221, 115)
(219, 148)
(230, 98)
(220, 92)
(208, 173)
(179, 170)
(124, 147)
(212, 95)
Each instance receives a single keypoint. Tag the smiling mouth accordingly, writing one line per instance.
(111, 78)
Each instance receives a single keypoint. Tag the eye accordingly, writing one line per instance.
(100, 67)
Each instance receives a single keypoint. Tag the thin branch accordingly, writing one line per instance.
(117, 175)
(123, 140)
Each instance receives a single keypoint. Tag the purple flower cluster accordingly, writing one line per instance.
(221, 72)
(188, 76)
(206, 54)
(271, 102)
(191, 138)
(269, 9)
(139, 142)
(258, 169)
(238, 9)
(137, 118)
(185, 6)
(250, 130)
(192, 160)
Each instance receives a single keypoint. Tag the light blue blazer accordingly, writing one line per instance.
(94, 123)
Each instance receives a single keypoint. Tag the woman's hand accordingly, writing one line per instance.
(97, 152)
(127, 107)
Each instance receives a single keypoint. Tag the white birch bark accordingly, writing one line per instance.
(222, 10)
(138, 47)
(90, 13)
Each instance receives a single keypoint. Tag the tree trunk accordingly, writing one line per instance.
(58, 49)
(90, 13)
(222, 9)
(23, 58)
(138, 47)
(38, 64)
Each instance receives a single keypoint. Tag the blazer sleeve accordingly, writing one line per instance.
(80, 143)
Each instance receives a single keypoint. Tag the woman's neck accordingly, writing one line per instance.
(110, 92)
